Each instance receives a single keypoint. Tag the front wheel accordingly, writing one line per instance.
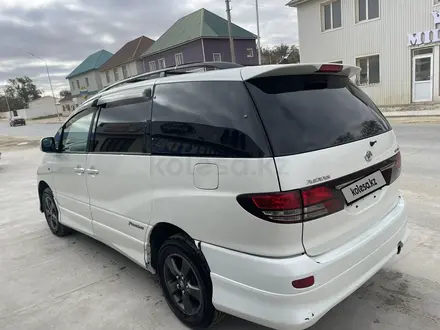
(52, 215)
(186, 283)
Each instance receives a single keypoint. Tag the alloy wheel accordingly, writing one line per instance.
(182, 284)
(51, 213)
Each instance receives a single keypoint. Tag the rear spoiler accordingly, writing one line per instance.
(251, 72)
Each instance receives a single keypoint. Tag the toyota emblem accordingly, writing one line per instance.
(368, 156)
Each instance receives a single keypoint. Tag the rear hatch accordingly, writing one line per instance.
(333, 147)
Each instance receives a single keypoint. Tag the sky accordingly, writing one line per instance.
(65, 32)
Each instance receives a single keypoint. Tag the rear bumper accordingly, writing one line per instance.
(260, 290)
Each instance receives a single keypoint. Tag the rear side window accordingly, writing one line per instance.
(121, 127)
(304, 113)
(206, 119)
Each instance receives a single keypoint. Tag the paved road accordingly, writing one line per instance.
(77, 283)
(36, 130)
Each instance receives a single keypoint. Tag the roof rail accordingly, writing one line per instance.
(175, 70)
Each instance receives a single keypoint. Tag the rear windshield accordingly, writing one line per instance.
(304, 113)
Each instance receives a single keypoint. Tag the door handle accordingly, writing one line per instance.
(79, 170)
(92, 171)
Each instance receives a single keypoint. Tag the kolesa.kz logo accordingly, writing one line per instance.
(362, 187)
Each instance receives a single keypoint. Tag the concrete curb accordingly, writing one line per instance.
(418, 113)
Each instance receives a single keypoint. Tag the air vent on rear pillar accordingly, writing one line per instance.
(206, 176)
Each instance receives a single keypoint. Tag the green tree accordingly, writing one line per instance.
(20, 91)
(64, 93)
(279, 53)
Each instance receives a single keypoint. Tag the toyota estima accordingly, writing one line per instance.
(269, 193)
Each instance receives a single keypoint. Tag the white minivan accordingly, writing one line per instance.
(268, 192)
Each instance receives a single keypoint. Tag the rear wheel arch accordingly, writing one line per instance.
(158, 235)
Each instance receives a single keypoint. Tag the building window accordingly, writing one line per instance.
(217, 57)
(331, 15)
(249, 52)
(367, 9)
(152, 65)
(124, 72)
(107, 76)
(116, 73)
(436, 2)
(77, 84)
(179, 59)
(87, 82)
(162, 64)
(72, 85)
(370, 72)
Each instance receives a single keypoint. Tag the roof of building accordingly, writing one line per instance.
(131, 51)
(199, 24)
(92, 62)
(294, 3)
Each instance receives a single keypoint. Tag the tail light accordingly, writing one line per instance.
(293, 206)
(397, 168)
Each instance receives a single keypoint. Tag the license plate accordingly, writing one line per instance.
(363, 187)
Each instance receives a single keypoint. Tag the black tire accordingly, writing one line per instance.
(51, 214)
(200, 317)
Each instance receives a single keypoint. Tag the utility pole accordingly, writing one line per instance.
(50, 83)
(231, 39)
(7, 105)
(258, 32)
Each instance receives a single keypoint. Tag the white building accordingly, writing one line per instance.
(85, 80)
(395, 42)
(42, 107)
(126, 62)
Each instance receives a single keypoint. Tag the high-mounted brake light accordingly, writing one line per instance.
(330, 68)
(293, 206)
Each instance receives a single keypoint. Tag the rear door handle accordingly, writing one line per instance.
(92, 171)
(79, 170)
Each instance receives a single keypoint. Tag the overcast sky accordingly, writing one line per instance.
(65, 32)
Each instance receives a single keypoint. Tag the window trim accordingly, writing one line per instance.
(213, 57)
(77, 84)
(107, 76)
(356, 13)
(87, 82)
(149, 66)
(322, 4)
(251, 53)
(368, 68)
(126, 69)
(176, 56)
(434, 4)
(116, 73)
(164, 63)
(88, 136)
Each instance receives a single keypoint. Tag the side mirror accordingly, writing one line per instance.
(47, 145)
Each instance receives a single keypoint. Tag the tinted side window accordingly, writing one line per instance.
(121, 127)
(57, 138)
(206, 119)
(76, 132)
